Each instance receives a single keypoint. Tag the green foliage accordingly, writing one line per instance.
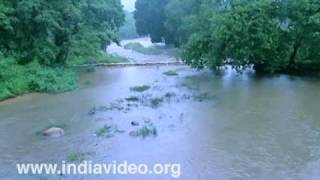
(106, 131)
(156, 102)
(150, 17)
(39, 37)
(13, 78)
(76, 157)
(140, 88)
(146, 131)
(133, 99)
(274, 36)
(52, 79)
(18, 79)
(171, 73)
(52, 32)
(180, 20)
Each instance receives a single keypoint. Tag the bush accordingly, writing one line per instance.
(52, 79)
(14, 80)
(19, 79)
(273, 36)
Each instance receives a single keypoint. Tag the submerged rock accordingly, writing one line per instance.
(133, 134)
(92, 111)
(145, 131)
(135, 123)
(53, 132)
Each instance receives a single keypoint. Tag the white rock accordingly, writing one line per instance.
(53, 132)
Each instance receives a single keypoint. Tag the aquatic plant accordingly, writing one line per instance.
(171, 73)
(145, 131)
(133, 99)
(76, 157)
(156, 102)
(112, 106)
(202, 96)
(105, 131)
(140, 88)
(108, 131)
(170, 95)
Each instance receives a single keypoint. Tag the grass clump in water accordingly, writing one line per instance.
(144, 50)
(140, 88)
(133, 99)
(202, 97)
(171, 73)
(106, 131)
(156, 102)
(111, 107)
(170, 95)
(76, 157)
(145, 131)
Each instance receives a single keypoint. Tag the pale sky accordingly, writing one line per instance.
(128, 5)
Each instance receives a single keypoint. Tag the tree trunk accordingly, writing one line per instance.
(294, 53)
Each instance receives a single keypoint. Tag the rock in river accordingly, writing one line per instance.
(135, 123)
(53, 132)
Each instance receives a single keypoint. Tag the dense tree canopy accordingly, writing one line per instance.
(272, 35)
(150, 18)
(38, 37)
(50, 31)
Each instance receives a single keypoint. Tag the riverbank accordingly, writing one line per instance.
(145, 52)
(18, 79)
(21, 79)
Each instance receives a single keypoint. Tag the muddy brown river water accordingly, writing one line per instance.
(217, 126)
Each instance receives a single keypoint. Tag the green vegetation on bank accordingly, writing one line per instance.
(272, 36)
(141, 49)
(149, 16)
(40, 39)
(18, 79)
(101, 57)
(153, 50)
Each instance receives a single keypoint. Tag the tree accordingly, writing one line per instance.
(179, 19)
(274, 36)
(150, 17)
(47, 31)
(39, 37)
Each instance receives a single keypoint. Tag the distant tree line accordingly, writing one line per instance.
(128, 30)
(272, 35)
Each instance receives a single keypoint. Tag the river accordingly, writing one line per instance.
(216, 125)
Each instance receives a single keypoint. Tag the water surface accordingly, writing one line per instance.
(218, 126)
